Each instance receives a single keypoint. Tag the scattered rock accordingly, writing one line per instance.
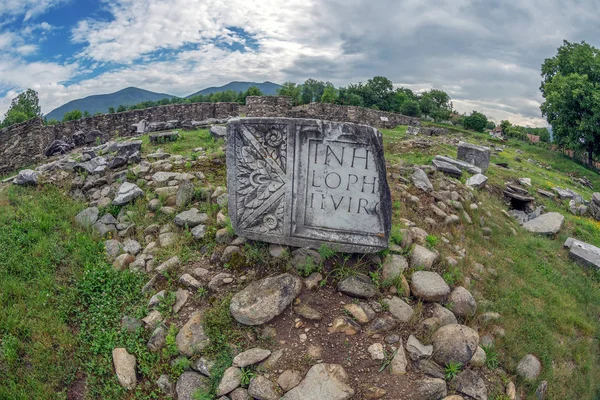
(191, 218)
(429, 286)
(127, 193)
(393, 267)
(185, 194)
(376, 351)
(454, 343)
(399, 362)
(358, 285)
(87, 217)
(289, 379)
(26, 177)
(477, 181)
(546, 224)
(231, 379)
(344, 325)
(323, 381)
(470, 383)
(430, 389)
(422, 257)
(250, 357)
(421, 181)
(399, 309)
(124, 367)
(479, 358)
(263, 300)
(262, 388)
(308, 312)
(416, 350)
(189, 383)
(361, 312)
(529, 368)
(191, 339)
(462, 302)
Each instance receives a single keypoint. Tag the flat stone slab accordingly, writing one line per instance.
(583, 253)
(545, 224)
(477, 181)
(465, 166)
(306, 182)
(447, 168)
(164, 137)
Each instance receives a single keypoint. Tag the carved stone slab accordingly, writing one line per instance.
(305, 182)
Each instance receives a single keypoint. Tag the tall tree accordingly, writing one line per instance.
(290, 89)
(23, 108)
(571, 89)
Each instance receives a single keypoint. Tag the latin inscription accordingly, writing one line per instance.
(342, 185)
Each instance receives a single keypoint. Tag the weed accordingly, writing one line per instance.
(179, 366)
(431, 241)
(218, 326)
(201, 292)
(375, 277)
(247, 374)
(491, 357)
(165, 305)
(396, 235)
(308, 267)
(202, 394)
(387, 360)
(326, 252)
(452, 276)
(452, 369)
(131, 177)
(170, 349)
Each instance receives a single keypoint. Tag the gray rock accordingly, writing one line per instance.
(445, 316)
(87, 217)
(583, 253)
(219, 132)
(399, 309)
(112, 248)
(465, 166)
(26, 177)
(473, 154)
(189, 383)
(203, 366)
(191, 218)
(431, 368)
(399, 362)
(191, 339)
(261, 208)
(540, 392)
(157, 339)
(124, 367)
(470, 383)
(167, 239)
(185, 194)
(462, 302)
(181, 296)
(529, 368)
(546, 224)
(289, 379)
(199, 231)
(447, 168)
(157, 298)
(430, 389)
(429, 286)
(127, 193)
(249, 357)
(422, 257)
(132, 247)
(477, 181)
(393, 266)
(277, 250)
(303, 257)
(358, 285)
(417, 350)
(361, 312)
(479, 358)
(231, 379)
(421, 181)
(262, 388)
(308, 312)
(263, 300)
(454, 343)
(164, 384)
(323, 381)
(239, 394)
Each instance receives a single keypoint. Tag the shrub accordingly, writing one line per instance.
(410, 108)
(73, 115)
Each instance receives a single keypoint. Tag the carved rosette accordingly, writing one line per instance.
(261, 153)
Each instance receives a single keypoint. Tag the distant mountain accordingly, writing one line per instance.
(267, 88)
(101, 102)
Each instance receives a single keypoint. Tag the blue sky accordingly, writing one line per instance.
(485, 53)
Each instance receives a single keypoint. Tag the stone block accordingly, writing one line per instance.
(305, 182)
(473, 154)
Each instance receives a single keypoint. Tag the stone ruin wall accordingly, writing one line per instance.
(23, 145)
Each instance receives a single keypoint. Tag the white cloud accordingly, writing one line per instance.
(485, 53)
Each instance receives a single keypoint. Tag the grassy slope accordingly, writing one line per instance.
(61, 303)
(549, 305)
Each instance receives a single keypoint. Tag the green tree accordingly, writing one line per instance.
(571, 89)
(505, 126)
(292, 90)
(491, 125)
(436, 103)
(476, 121)
(72, 115)
(121, 108)
(86, 114)
(312, 90)
(23, 108)
(111, 110)
(329, 94)
(411, 108)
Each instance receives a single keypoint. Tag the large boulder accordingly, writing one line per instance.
(422, 257)
(473, 154)
(429, 286)
(26, 177)
(127, 193)
(263, 300)
(454, 343)
(462, 302)
(323, 381)
(546, 224)
(471, 384)
(529, 368)
(87, 217)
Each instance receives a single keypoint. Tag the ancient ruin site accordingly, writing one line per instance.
(391, 227)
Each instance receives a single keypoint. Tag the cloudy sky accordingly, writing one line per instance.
(485, 54)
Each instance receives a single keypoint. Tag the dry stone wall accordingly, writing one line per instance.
(24, 144)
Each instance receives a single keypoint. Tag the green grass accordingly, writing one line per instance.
(61, 303)
(187, 142)
(549, 306)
